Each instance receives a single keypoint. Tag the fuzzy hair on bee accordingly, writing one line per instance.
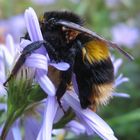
(66, 39)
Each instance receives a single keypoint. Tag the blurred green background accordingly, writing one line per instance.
(118, 20)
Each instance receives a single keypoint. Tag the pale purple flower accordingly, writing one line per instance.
(14, 26)
(29, 121)
(50, 112)
(8, 53)
(125, 35)
(92, 122)
(7, 56)
(31, 126)
(75, 127)
(119, 78)
(116, 63)
(124, 95)
(2, 74)
(17, 27)
(3, 106)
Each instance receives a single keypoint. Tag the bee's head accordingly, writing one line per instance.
(62, 16)
(50, 23)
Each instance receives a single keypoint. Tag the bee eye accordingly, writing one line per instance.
(52, 22)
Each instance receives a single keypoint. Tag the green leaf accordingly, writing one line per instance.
(126, 119)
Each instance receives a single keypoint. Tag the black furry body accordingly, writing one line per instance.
(66, 45)
(87, 74)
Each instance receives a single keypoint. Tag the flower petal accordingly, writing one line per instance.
(45, 82)
(124, 95)
(32, 127)
(24, 43)
(10, 45)
(33, 28)
(35, 35)
(37, 61)
(3, 106)
(90, 119)
(117, 65)
(30, 17)
(120, 79)
(46, 130)
(62, 66)
(2, 69)
(14, 133)
(8, 59)
(2, 90)
(76, 127)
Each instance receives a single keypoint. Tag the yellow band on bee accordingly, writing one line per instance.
(95, 50)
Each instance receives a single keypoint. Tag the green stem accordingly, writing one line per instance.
(68, 116)
(10, 120)
(7, 126)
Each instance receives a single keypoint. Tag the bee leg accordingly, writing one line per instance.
(84, 90)
(25, 53)
(66, 75)
(51, 51)
(60, 105)
(65, 81)
(84, 83)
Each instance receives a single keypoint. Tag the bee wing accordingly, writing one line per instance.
(79, 28)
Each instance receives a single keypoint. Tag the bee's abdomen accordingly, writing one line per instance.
(102, 72)
(95, 81)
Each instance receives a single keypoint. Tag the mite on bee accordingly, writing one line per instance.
(67, 40)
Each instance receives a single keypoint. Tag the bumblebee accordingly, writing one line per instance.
(67, 40)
